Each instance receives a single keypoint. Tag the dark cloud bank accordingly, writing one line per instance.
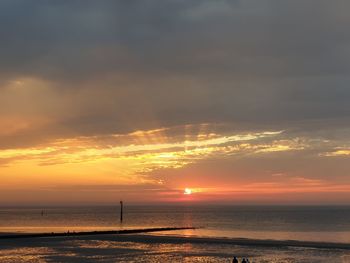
(118, 66)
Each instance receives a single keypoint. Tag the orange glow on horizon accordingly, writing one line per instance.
(119, 165)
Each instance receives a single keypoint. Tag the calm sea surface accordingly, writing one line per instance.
(314, 223)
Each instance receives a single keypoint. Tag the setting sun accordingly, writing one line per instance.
(188, 191)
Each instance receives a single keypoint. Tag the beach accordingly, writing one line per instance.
(157, 248)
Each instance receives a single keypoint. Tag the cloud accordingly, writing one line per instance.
(176, 86)
(150, 150)
(113, 66)
(337, 153)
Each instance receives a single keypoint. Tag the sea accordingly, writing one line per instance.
(327, 224)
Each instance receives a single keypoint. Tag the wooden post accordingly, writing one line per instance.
(121, 211)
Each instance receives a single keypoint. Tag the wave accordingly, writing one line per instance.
(232, 241)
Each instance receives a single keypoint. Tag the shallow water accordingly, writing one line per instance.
(327, 223)
(113, 249)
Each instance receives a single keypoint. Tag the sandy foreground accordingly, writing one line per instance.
(156, 248)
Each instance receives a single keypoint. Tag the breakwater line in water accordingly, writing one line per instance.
(90, 233)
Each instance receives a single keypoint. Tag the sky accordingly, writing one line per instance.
(241, 101)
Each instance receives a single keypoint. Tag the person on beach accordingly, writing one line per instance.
(235, 260)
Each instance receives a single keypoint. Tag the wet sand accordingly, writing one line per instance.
(160, 248)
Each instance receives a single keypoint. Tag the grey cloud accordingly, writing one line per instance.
(178, 37)
(118, 66)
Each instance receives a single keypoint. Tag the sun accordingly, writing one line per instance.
(187, 191)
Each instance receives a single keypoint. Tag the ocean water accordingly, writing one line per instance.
(307, 223)
(303, 223)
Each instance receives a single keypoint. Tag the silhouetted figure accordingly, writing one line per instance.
(244, 261)
(235, 260)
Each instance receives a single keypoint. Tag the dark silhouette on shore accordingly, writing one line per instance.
(244, 260)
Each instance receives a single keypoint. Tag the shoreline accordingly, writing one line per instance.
(175, 239)
(245, 241)
(136, 235)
